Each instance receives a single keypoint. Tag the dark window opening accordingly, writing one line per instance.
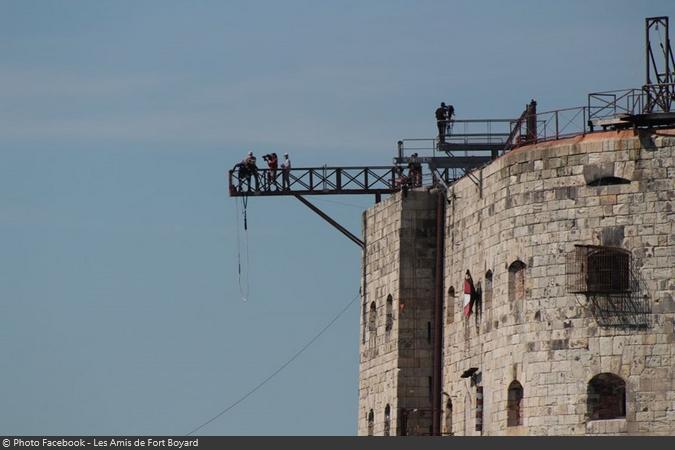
(389, 324)
(403, 423)
(372, 319)
(606, 397)
(429, 332)
(479, 408)
(514, 405)
(593, 269)
(365, 320)
(387, 420)
(609, 181)
(612, 284)
(371, 423)
(516, 281)
(608, 271)
(488, 289)
(450, 306)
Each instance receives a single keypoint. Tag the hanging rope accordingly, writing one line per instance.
(244, 202)
(243, 286)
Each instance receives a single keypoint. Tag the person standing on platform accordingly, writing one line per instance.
(286, 173)
(272, 164)
(415, 170)
(251, 170)
(441, 121)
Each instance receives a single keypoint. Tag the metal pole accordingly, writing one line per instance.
(438, 319)
(647, 48)
(584, 118)
(667, 55)
(328, 219)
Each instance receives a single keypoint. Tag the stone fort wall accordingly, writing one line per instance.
(515, 232)
(396, 350)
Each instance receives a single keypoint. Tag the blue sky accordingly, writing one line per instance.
(120, 311)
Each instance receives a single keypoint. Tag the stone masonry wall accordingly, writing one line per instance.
(396, 360)
(535, 205)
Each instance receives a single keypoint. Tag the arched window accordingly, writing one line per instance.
(372, 320)
(450, 305)
(387, 420)
(488, 290)
(514, 405)
(389, 324)
(448, 418)
(608, 181)
(516, 281)
(606, 397)
(365, 320)
(371, 422)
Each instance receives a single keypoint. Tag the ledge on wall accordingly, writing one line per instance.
(608, 426)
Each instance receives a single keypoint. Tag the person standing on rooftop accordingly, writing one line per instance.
(441, 121)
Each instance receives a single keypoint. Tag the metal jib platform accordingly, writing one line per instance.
(374, 180)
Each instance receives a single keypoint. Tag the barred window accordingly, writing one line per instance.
(608, 271)
(592, 269)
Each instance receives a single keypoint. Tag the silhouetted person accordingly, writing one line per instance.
(402, 181)
(441, 121)
(251, 170)
(415, 170)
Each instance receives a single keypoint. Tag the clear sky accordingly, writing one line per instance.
(120, 311)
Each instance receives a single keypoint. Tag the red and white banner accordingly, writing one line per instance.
(468, 294)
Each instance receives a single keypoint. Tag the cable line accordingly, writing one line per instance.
(282, 367)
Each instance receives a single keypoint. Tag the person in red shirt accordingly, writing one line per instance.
(272, 165)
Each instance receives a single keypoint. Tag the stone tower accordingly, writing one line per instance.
(397, 313)
(571, 248)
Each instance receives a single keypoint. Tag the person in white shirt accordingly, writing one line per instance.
(285, 172)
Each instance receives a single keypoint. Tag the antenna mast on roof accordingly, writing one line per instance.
(660, 70)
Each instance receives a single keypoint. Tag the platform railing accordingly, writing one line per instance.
(479, 131)
(314, 180)
(327, 180)
(554, 125)
(613, 103)
(651, 98)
